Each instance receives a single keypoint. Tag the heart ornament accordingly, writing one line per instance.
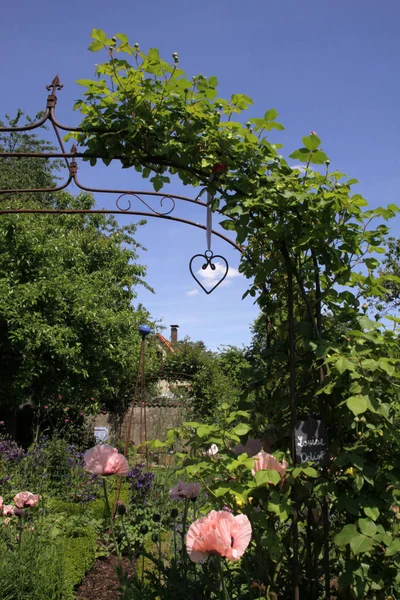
(208, 258)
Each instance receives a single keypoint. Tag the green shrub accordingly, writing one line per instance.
(79, 555)
(54, 555)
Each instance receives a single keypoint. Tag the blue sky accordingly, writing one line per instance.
(330, 67)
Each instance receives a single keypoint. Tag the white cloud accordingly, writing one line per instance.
(211, 276)
(193, 292)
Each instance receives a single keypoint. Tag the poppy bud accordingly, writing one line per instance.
(154, 538)
(174, 513)
(156, 518)
(121, 509)
(144, 529)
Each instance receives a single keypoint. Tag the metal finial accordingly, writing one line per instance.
(55, 85)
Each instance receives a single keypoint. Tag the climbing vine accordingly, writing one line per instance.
(303, 224)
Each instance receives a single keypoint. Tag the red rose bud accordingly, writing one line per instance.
(219, 168)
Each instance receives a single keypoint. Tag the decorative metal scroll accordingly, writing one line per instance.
(125, 199)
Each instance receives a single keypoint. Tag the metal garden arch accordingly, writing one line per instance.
(70, 159)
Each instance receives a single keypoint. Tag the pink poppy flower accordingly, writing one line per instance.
(46, 407)
(184, 490)
(218, 533)
(66, 420)
(266, 462)
(7, 510)
(23, 499)
(105, 460)
(251, 447)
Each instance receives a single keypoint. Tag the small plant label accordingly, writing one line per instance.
(101, 434)
(311, 439)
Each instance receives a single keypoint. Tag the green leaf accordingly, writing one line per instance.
(372, 512)
(229, 225)
(367, 324)
(156, 444)
(157, 182)
(271, 114)
(370, 364)
(311, 142)
(367, 527)
(302, 154)
(221, 490)
(122, 37)
(263, 477)
(98, 34)
(95, 46)
(345, 536)
(343, 364)
(318, 157)
(358, 542)
(311, 472)
(204, 430)
(361, 543)
(357, 404)
(358, 483)
(241, 429)
(154, 55)
(393, 548)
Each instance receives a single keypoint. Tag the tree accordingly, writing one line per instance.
(213, 376)
(68, 327)
(20, 173)
(391, 271)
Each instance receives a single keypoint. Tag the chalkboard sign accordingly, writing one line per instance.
(311, 440)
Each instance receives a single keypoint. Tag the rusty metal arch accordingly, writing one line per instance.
(167, 201)
(70, 159)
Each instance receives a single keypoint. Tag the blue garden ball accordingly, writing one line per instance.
(144, 330)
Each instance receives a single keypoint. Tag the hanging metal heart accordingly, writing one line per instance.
(208, 257)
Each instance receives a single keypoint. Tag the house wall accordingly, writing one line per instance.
(162, 414)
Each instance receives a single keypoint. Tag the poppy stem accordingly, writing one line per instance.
(128, 543)
(110, 518)
(224, 591)
(20, 528)
(175, 549)
(184, 520)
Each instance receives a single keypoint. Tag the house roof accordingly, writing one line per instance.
(165, 342)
